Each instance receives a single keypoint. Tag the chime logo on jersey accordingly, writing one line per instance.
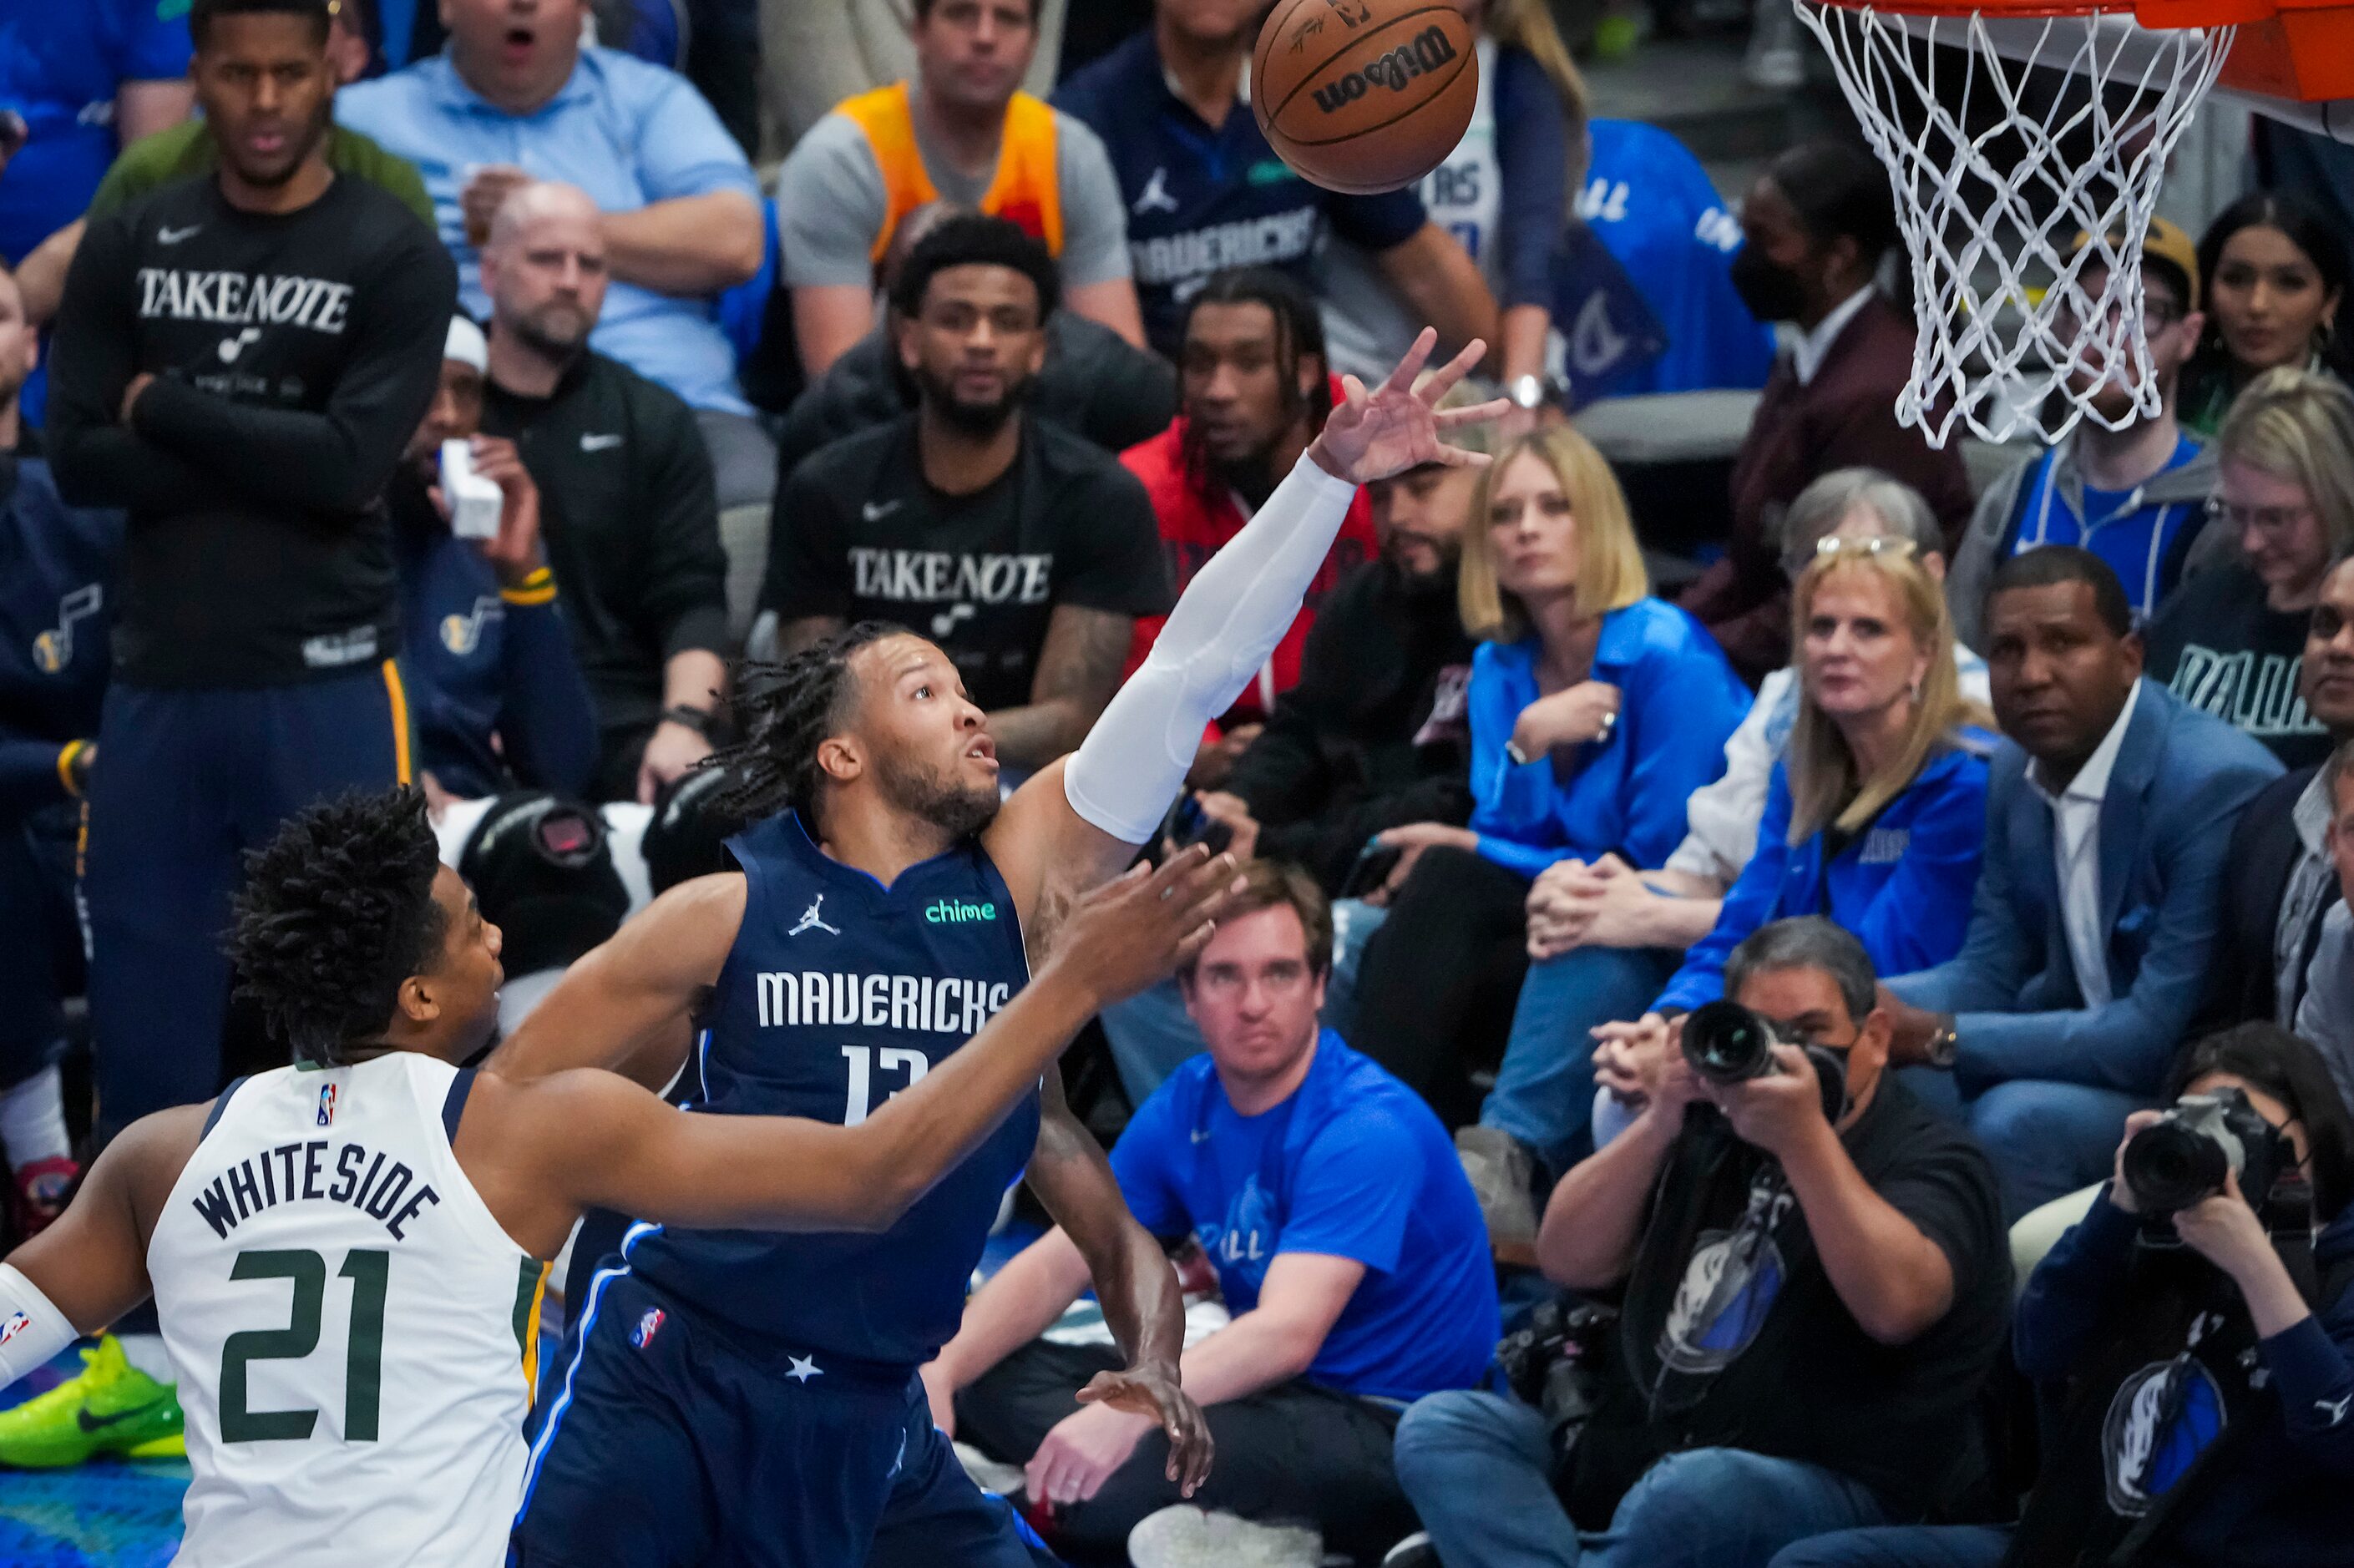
(326, 1105)
(647, 1327)
(16, 1324)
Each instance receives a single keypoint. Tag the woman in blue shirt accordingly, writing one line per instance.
(1595, 710)
(1875, 816)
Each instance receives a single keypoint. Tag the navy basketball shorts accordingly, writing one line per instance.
(40, 937)
(664, 1439)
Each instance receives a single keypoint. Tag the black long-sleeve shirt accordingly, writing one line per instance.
(630, 518)
(293, 354)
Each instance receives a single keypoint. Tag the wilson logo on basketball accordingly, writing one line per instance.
(1427, 52)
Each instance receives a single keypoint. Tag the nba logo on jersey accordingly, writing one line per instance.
(326, 1105)
(647, 1327)
(16, 1324)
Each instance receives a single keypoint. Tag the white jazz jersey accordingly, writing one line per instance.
(352, 1331)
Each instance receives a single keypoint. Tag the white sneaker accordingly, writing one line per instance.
(1188, 1537)
(987, 1473)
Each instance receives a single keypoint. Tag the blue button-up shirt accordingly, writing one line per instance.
(627, 133)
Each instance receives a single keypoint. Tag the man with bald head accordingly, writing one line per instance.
(627, 506)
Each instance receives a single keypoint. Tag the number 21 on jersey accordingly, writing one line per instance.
(369, 1271)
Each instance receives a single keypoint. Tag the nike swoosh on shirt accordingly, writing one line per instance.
(169, 236)
(600, 443)
(89, 1423)
(875, 511)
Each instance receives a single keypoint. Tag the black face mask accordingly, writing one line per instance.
(1772, 293)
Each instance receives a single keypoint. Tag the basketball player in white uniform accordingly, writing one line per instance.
(345, 1253)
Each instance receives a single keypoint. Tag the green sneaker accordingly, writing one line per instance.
(112, 1408)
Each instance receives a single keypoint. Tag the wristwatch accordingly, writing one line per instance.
(1526, 392)
(1944, 1042)
(700, 720)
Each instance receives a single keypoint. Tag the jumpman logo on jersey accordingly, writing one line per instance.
(53, 649)
(812, 921)
(1156, 197)
(2334, 1408)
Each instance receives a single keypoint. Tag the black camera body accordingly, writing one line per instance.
(2181, 1159)
(1728, 1044)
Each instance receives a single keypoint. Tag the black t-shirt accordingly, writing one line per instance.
(2218, 646)
(1734, 1336)
(293, 354)
(860, 534)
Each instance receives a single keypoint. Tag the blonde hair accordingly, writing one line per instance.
(2299, 427)
(1610, 573)
(1824, 788)
(1528, 26)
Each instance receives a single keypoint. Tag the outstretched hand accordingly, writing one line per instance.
(1137, 929)
(1157, 1396)
(1395, 426)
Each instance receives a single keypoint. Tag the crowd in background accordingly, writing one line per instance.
(2018, 794)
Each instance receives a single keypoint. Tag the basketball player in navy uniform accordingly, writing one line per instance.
(881, 914)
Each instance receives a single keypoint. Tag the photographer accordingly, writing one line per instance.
(1809, 1301)
(2210, 1383)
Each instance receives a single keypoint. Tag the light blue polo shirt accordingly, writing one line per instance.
(627, 133)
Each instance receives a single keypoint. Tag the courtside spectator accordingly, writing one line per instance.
(1347, 1249)
(1020, 549)
(813, 57)
(626, 514)
(1875, 817)
(1818, 224)
(959, 130)
(1375, 734)
(1254, 387)
(2097, 910)
(2136, 497)
(259, 613)
(2276, 277)
(1092, 382)
(2230, 640)
(2278, 881)
(2152, 1353)
(2324, 1014)
(186, 151)
(1503, 193)
(1814, 1285)
(89, 79)
(1605, 937)
(1595, 711)
(493, 688)
(1205, 194)
(58, 568)
(1654, 208)
(678, 206)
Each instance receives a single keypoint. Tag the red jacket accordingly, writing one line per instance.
(1196, 520)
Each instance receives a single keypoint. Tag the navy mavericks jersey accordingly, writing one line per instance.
(837, 994)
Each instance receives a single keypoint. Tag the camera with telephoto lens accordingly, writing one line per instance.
(2182, 1157)
(1728, 1044)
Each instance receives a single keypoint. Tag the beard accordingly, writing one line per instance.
(297, 155)
(979, 421)
(959, 810)
(554, 331)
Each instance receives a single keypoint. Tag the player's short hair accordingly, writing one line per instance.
(1268, 884)
(1838, 189)
(336, 911)
(924, 10)
(784, 709)
(202, 13)
(970, 240)
(2049, 565)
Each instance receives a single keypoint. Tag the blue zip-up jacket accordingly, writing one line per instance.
(485, 662)
(58, 569)
(1679, 702)
(2284, 1501)
(1902, 885)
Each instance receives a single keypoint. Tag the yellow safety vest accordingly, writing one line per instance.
(1027, 190)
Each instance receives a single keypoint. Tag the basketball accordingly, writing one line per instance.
(1365, 96)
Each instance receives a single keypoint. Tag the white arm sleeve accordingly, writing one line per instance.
(31, 1329)
(1227, 621)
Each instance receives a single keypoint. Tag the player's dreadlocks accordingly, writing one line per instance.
(337, 910)
(783, 711)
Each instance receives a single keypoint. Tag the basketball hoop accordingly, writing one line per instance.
(1997, 175)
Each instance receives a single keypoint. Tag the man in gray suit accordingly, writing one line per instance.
(2108, 817)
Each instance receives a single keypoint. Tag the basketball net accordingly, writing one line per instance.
(1993, 187)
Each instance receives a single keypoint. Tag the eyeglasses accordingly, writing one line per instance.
(1832, 546)
(2272, 520)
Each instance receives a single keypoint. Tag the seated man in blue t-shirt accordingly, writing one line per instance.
(1347, 1244)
